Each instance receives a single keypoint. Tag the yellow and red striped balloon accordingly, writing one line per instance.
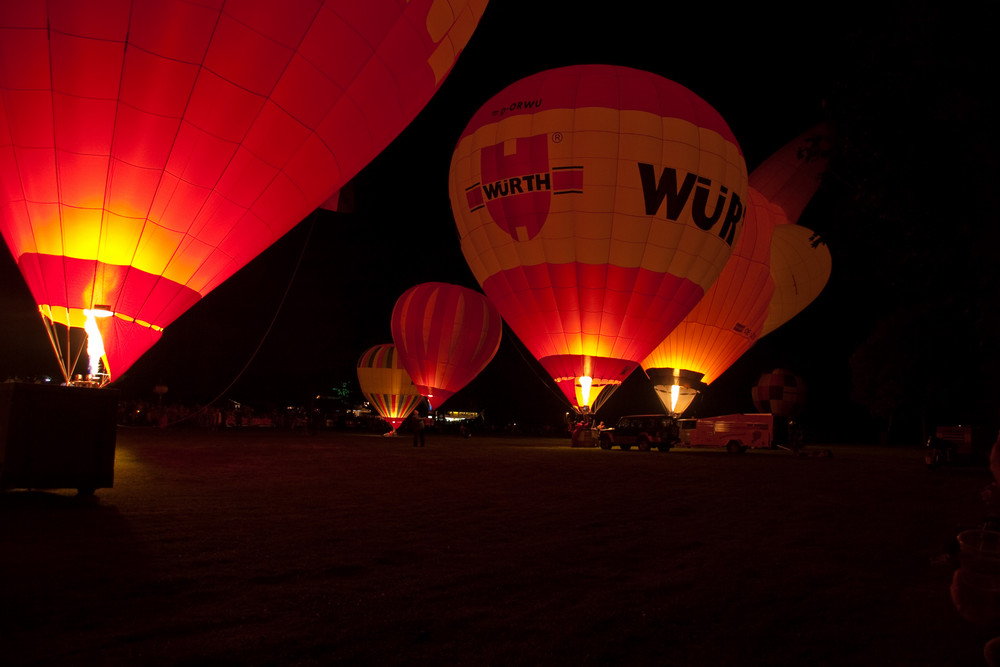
(387, 385)
(596, 205)
(149, 150)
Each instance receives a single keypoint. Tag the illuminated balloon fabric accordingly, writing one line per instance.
(800, 267)
(596, 205)
(780, 393)
(446, 335)
(727, 321)
(387, 385)
(148, 150)
(789, 178)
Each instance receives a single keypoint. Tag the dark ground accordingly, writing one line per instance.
(283, 548)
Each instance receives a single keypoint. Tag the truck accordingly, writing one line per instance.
(736, 432)
(641, 431)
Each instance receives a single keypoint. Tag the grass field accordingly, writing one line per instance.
(283, 548)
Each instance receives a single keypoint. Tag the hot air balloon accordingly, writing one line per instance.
(800, 261)
(596, 205)
(780, 392)
(446, 335)
(387, 385)
(149, 150)
(724, 324)
(735, 311)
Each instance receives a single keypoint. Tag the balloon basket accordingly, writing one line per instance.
(55, 437)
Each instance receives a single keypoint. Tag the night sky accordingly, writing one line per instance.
(293, 323)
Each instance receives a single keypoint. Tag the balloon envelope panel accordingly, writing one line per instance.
(790, 177)
(801, 267)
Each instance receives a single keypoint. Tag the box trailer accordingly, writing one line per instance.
(736, 432)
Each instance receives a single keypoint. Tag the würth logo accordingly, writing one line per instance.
(518, 185)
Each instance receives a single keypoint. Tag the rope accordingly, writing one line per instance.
(260, 344)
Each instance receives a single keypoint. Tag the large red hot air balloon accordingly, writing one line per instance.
(148, 150)
(387, 385)
(446, 335)
(596, 205)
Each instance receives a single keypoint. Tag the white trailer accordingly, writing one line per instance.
(737, 432)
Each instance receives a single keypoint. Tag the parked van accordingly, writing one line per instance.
(736, 433)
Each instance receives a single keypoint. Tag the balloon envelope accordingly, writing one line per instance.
(596, 205)
(387, 385)
(446, 335)
(779, 392)
(148, 150)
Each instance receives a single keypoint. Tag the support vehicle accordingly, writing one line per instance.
(641, 431)
(737, 432)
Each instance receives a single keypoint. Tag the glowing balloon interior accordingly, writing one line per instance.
(765, 282)
(150, 149)
(723, 325)
(387, 385)
(446, 335)
(596, 205)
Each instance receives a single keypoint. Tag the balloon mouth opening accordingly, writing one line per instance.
(676, 388)
(583, 384)
(96, 354)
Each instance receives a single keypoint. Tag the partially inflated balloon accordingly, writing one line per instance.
(800, 267)
(148, 150)
(387, 385)
(724, 324)
(789, 178)
(446, 335)
(800, 261)
(596, 205)
(737, 309)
